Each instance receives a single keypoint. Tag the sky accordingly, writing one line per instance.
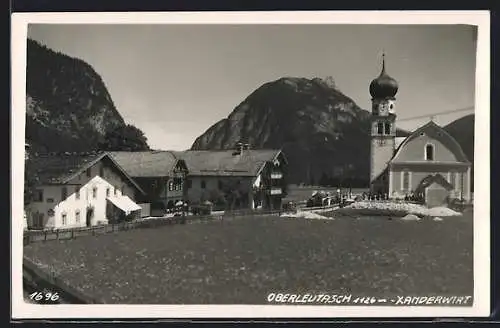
(175, 81)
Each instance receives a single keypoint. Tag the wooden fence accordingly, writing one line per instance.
(318, 208)
(32, 236)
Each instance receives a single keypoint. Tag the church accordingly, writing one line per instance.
(429, 162)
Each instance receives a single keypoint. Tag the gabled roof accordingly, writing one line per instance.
(437, 132)
(156, 163)
(433, 178)
(60, 168)
(226, 162)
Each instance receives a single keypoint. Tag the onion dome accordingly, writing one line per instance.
(383, 86)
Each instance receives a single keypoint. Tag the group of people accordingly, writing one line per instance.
(411, 197)
(375, 196)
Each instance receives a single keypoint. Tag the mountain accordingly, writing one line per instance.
(323, 133)
(68, 107)
(462, 130)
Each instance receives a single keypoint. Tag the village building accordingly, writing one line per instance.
(80, 190)
(161, 174)
(428, 162)
(240, 178)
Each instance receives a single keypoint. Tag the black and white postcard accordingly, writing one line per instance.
(250, 164)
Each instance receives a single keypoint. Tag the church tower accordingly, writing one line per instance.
(383, 90)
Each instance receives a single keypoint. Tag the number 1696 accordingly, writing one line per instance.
(39, 296)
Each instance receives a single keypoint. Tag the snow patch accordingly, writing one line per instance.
(410, 217)
(442, 211)
(306, 215)
(409, 208)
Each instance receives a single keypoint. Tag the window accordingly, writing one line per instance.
(77, 216)
(405, 180)
(64, 219)
(203, 184)
(429, 152)
(94, 192)
(170, 185)
(38, 195)
(77, 192)
(50, 200)
(108, 192)
(89, 172)
(458, 181)
(387, 128)
(64, 193)
(380, 128)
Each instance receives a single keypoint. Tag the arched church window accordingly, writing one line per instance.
(387, 128)
(380, 128)
(405, 180)
(429, 152)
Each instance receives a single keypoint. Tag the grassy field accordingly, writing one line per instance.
(242, 260)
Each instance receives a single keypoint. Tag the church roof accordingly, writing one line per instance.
(226, 162)
(151, 163)
(437, 132)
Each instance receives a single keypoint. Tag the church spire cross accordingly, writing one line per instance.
(383, 62)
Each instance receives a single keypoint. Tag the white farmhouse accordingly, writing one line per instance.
(78, 190)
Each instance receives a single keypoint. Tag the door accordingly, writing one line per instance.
(436, 197)
(90, 215)
(37, 220)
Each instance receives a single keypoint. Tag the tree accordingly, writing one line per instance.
(330, 82)
(216, 197)
(233, 195)
(30, 181)
(124, 138)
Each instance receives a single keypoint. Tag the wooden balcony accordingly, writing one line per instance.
(275, 191)
(276, 175)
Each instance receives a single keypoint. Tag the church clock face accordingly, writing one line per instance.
(383, 109)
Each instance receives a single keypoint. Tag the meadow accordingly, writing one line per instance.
(242, 260)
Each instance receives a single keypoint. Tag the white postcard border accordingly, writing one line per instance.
(481, 307)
